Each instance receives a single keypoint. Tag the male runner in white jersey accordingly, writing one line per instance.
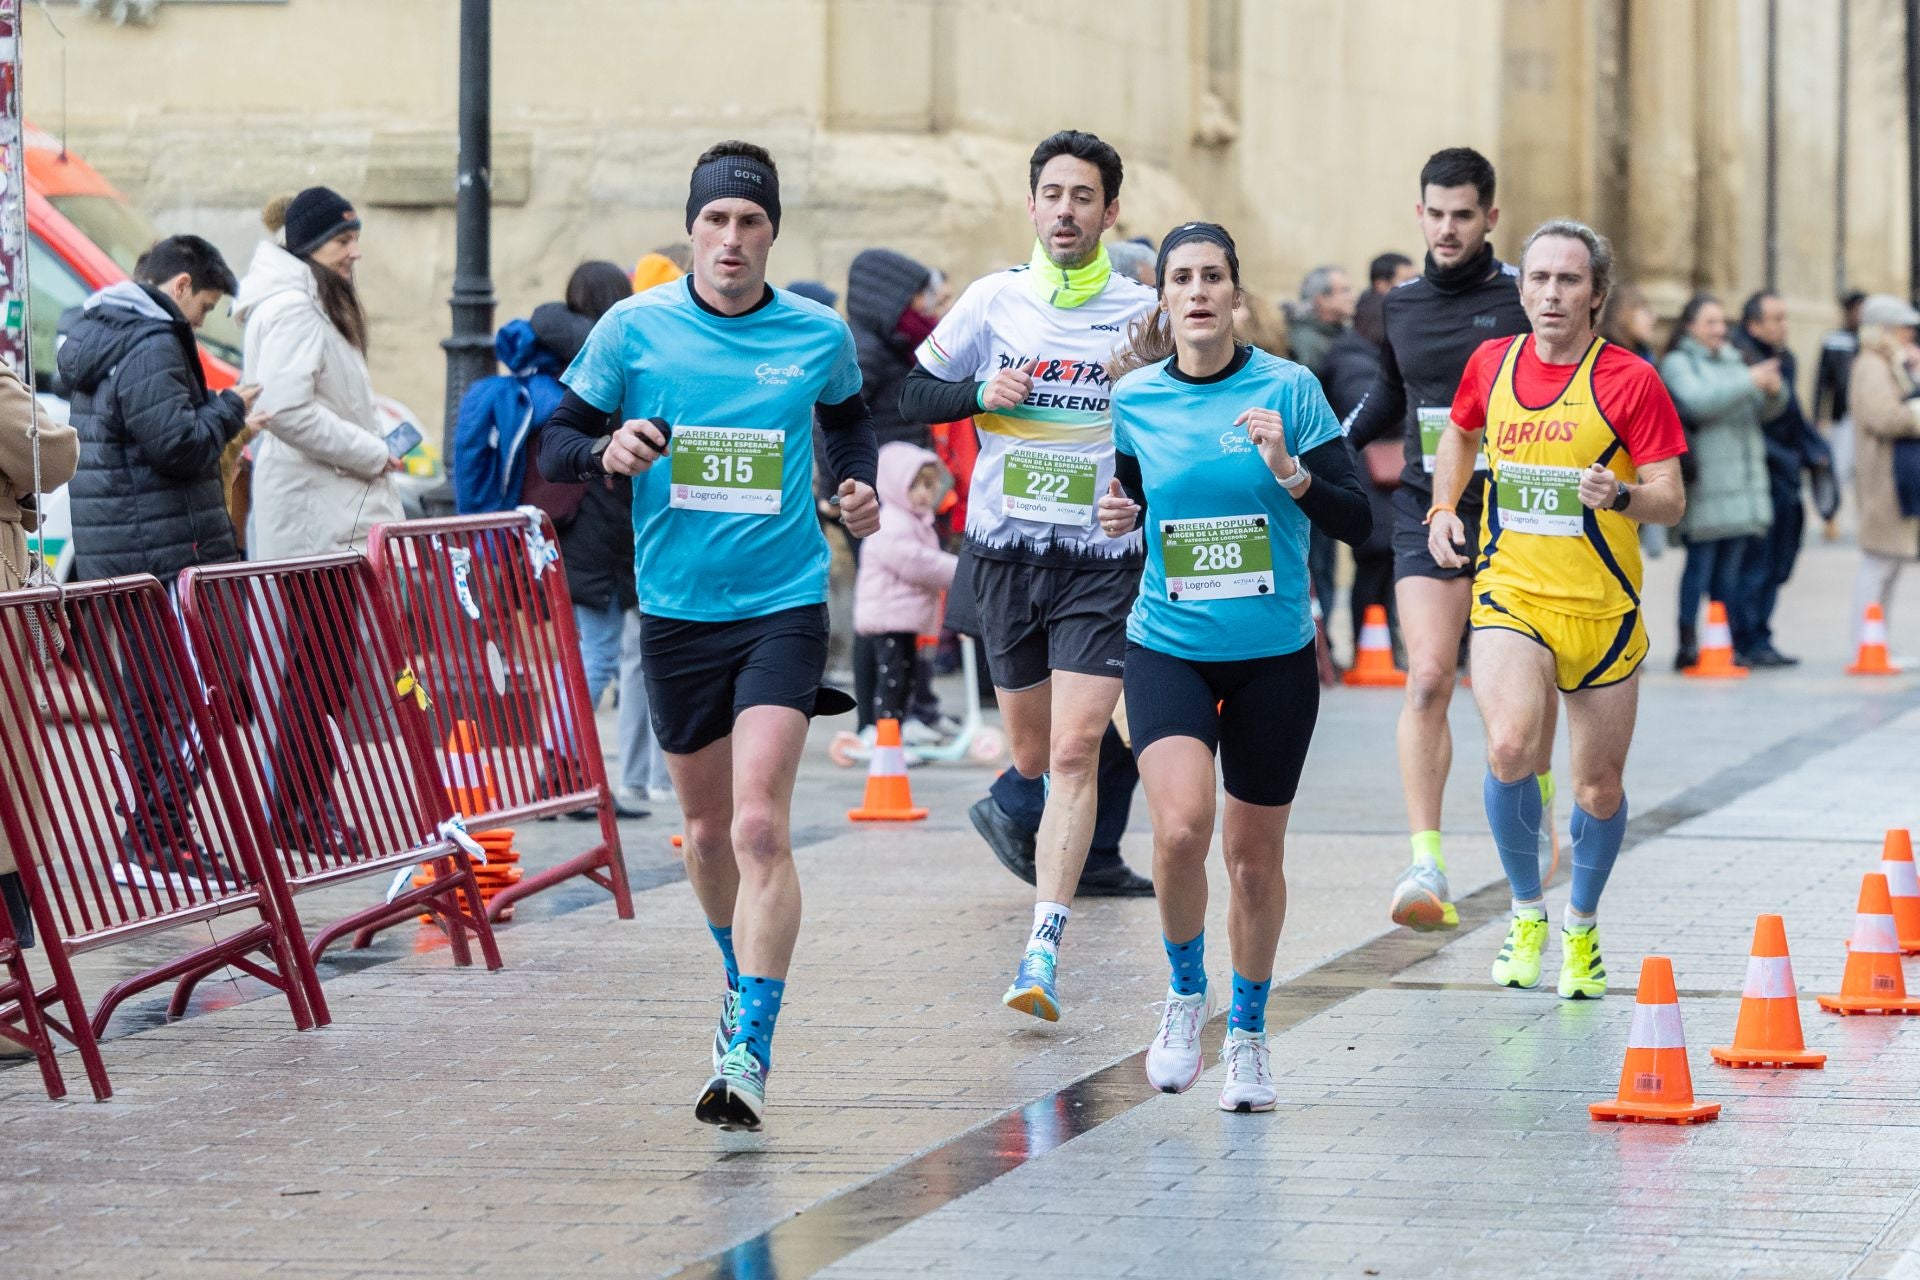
(1024, 352)
(1434, 321)
(707, 391)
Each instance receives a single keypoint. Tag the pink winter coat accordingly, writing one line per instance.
(902, 568)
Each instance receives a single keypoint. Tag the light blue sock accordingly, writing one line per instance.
(1596, 843)
(1249, 1013)
(723, 937)
(759, 1009)
(1513, 811)
(1189, 963)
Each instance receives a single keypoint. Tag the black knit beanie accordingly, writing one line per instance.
(316, 216)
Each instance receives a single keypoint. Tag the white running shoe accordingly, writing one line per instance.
(1173, 1059)
(1249, 1082)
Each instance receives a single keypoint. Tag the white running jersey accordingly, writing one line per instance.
(1043, 464)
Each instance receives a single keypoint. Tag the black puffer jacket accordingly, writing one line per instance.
(147, 496)
(880, 285)
(596, 540)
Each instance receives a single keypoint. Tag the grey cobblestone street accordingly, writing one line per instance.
(537, 1121)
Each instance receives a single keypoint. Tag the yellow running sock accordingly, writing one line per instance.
(1426, 849)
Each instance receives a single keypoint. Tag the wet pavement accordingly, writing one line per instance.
(537, 1121)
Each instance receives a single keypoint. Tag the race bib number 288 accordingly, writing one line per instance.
(1217, 559)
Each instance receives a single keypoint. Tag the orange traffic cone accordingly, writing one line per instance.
(889, 796)
(1768, 1032)
(1896, 864)
(469, 777)
(1873, 982)
(1716, 648)
(1872, 659)
(1373, 653)
(1655, 1083)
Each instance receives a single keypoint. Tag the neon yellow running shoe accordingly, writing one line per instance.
(1518, 964)
(1582, 974)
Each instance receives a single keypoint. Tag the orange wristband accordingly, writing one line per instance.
(1435, 509)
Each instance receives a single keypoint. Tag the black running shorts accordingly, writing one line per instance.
(1257, 714)
(1411, 559)
(701, 675)
(1038, 619)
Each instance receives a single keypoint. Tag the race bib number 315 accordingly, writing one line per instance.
(1218, 559)
(1534, 499)
(1050, 487)
(727, 469)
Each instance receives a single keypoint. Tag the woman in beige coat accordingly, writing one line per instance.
(321, 474)
(19, 730)
(1885, 411)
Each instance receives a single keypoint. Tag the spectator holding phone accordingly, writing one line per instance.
(147, 498)
(322, 477)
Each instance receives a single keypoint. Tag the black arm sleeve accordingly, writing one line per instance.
(925, 398)
(1126, 469)
(566, 442)
(1383, 410)
(1335, 501)
(852, 449)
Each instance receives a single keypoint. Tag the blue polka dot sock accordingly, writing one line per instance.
(1249, 1013)
(723, 938)
(760, 1000)
(1188, 961)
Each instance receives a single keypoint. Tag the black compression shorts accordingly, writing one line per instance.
(1257, 714)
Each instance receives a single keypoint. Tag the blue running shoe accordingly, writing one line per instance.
(729, 1019)
(1032, 989)
(736, 1097)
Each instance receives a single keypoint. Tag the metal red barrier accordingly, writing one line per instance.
(489, 625)
(124, 810)
(309, 666)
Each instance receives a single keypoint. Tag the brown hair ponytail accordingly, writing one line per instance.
(1149, 341)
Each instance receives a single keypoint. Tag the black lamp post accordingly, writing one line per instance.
(470, 349)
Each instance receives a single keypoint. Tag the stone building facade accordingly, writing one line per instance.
(1721, 142)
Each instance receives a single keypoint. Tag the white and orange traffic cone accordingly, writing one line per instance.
(1716, 648)
(1873, 982)
(470, 788)
(1373, 653)
(1768, 1032)
(889, 794)
(1896, 864)
(1655, 1081)
(1872, 660)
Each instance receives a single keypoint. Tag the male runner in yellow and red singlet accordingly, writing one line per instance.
(1584, 446)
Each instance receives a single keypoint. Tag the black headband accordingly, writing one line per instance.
(1186, 233)
(734, 177)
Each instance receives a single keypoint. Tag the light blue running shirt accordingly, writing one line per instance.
(1238, 583)
(724, 526)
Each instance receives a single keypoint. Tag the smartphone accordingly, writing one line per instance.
(403, 440)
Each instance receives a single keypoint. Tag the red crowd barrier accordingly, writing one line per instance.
(125, 812)
(313, 691)
(488, 622)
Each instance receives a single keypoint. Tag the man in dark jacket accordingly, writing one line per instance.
(891, 310)
(147, 498)
(1793, 446)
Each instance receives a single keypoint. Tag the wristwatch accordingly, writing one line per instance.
(1298, 480)
(1622, 496)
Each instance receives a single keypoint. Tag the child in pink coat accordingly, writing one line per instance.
(896, 596)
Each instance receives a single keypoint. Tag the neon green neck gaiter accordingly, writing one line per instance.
(1061, 287)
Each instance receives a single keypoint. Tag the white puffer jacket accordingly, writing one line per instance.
(320, 478)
